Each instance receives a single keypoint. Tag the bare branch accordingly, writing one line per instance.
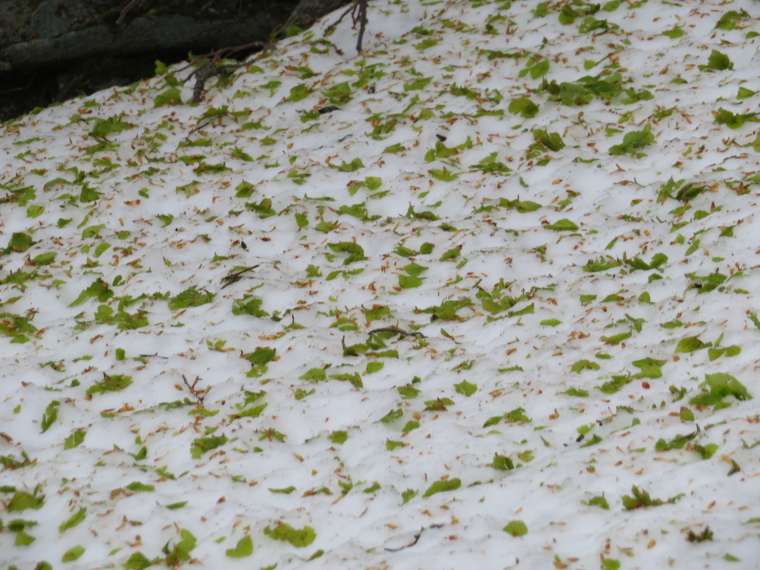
(358, 11)
(126, 10)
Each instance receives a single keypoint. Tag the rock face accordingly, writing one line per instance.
(52, 50)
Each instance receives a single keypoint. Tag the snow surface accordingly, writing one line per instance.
(576, 304)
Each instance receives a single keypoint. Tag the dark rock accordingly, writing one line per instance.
(51, 50)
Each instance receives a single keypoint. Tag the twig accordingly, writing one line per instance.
(126, 10)
(200, 395)
(358, 11)
(236, 276)
(156, 355)
(397, 331)
(417, 536)
(212, 66)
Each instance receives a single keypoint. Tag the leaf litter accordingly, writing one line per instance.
(569, 190)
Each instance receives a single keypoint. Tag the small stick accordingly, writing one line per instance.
(199, 394)
(126, 10)
(397, 331)
(236, 276)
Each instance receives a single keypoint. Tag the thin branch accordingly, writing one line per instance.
(200, 395)
(397, 331)
(236, 276)
(358, 11)
(126, 10)
(212, 65)
(417, 536)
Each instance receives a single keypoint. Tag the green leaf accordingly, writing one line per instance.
(44, 258)
(415, 269)
(408, 495)
(354, 250)
(72, 553)
(717, 61)
(734, 121)
(446, 311)
(112, 383)
(261, 356)
(540, 69)
(598, 501)
(180, 552)
(191, 297)
(75, 439)
(243, 548)
(465, 388)
(650, 367)
(409, 281)
(453, 253)
(352, 166)
(298, 92)
(674, 33)
(34, 211)
(707, 451)
(202, 445)
(443, 486)
(721, 385)
(73, 520)
(516, 527)
(339, 437)
(297, 537)
(634, 141)
(639, 499)
(104, 127)
(23, 539)
(524, 107)
(375, 366)
(616, 339)
(407, 392)
(390, 416)
(552, 141)
(593, 441)
(19, 242)
(563, 225)
(137, 561)
(50, 415)
(443, 175)
(745, 93)
(729, 20)
(489, 165)
(583, 364)
(165, 219)
(417, 84)
(690, 344)
(516, 415)
(338, 94)
(677, 442)
(502, 463)
(170, 96)
(615, 384)
(314, 375)
(249, 305)
(138, 487)
(253, 412)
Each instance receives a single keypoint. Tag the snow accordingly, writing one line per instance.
(626, 299)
